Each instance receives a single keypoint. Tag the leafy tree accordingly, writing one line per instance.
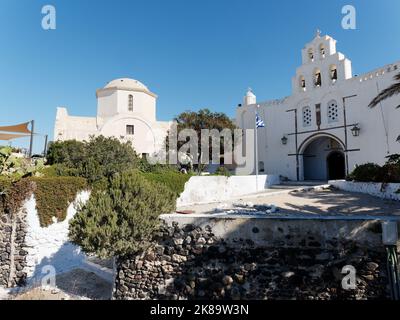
(120, 220)
(203, 119)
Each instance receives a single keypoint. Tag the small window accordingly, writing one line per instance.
(145, 155)
(130, 103)
(307, 117)
(333, 113)
(130, 130)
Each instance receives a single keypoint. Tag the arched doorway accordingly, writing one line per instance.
(336, 165)
(323, 158)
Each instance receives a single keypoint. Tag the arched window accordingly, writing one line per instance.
(307, 116)
(130, 102)
(302, 83)
(322, 50)
(333, 73)
(333, 112)
(317, 78)
(310, 54)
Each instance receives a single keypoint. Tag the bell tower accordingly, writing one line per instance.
(322, 65)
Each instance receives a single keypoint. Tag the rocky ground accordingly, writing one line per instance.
(77, 284)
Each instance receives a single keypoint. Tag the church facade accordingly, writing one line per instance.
(126, 110)
(325, 127)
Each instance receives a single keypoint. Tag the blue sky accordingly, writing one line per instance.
(192, 53)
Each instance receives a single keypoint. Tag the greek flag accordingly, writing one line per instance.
(259, 122)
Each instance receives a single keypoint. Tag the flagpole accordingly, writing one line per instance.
(256, 146)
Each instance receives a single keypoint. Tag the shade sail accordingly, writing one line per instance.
(20, 128)
(10, 136)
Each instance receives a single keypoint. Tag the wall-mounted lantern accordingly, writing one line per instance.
(284, 140)
(398, 139)
(355, 131)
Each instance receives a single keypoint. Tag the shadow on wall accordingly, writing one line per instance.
(72, 278)
(66, 258)
(191, 262)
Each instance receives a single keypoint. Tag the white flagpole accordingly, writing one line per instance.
(256, 147)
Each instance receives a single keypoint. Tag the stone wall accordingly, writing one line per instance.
(26, 247)
(192, 262)
(12, 249)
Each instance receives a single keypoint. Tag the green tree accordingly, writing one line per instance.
(203, 119)
(122, 219)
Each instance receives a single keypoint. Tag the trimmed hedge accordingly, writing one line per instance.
(54, 195)
(14, 193)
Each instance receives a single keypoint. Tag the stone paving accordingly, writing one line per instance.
(303, 201)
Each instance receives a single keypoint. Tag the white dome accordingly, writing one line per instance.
(126, 84)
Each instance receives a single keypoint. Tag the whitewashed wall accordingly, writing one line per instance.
(371, 188)
(50, 245)
(204, 189)
(379, 125)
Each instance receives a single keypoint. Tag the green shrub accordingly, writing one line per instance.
(54, 195)
(369, 172)
(121, 219)
(98, 158)
(58, 170)
(70, 153)
(173, 180)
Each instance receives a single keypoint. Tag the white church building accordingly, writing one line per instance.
(325, 128)
(126, 109)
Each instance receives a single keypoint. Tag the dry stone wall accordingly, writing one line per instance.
(12, 249)
(191, 262)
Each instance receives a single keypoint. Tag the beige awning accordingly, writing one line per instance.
(20, 128)
(10, 136)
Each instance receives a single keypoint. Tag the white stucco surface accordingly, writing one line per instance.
(206, 189)
(50, 245)
(309, 110)
(374, 189)
(121, 103)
